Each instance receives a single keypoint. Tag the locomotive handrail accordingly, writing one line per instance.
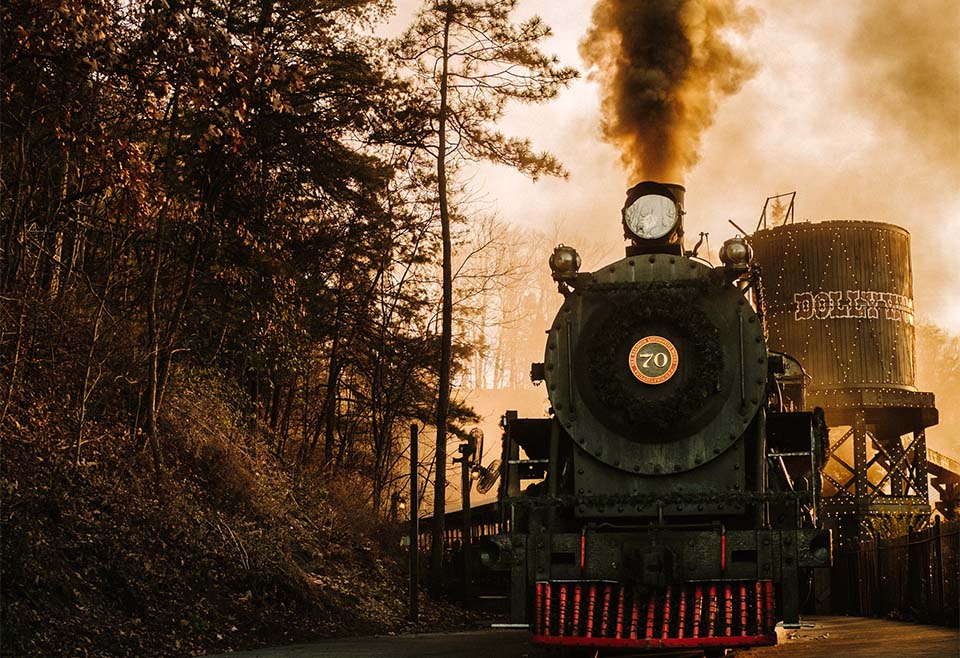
(620, 286)
(714, 526)
(732, 496)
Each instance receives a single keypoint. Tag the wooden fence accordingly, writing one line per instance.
(913, 577)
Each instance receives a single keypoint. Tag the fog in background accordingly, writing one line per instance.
(855, 105)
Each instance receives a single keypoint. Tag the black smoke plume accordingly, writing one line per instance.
(663, 66)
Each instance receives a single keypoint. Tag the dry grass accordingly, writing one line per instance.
(229, 552)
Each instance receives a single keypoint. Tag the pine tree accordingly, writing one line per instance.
(469, 60)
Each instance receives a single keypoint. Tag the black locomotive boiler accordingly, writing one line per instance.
(670, 499)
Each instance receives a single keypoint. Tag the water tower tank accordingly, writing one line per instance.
(838, 296)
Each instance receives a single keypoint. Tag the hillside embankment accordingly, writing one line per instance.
(231, 548)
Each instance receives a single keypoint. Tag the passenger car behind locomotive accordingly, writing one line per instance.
(674, 493)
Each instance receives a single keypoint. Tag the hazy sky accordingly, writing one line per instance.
(855, 105)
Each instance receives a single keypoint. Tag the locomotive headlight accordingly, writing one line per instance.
(564, 263)
(736, 253)
(651, 217)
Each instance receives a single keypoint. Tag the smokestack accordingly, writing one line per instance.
(663, 66)
(678, 192)
(671, 190)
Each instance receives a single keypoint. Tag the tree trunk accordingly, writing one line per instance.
(87, 390)
(166, 355)
(446, 315)
(15, 361)
(480, 359)
(273, 416)
(14, 248)
(285, 420)
(153, 345)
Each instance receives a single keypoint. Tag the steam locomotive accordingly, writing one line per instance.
(670, 499)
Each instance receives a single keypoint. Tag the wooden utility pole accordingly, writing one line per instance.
(467, 527)
(471, 452)
(414, 527)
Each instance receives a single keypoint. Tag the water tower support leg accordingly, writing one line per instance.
(861, 483)
(919, 483)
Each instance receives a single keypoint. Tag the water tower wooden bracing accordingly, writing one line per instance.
(838, 296)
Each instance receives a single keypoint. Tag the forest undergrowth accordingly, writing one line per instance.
(230, 549)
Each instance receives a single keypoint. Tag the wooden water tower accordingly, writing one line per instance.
(838, 296)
